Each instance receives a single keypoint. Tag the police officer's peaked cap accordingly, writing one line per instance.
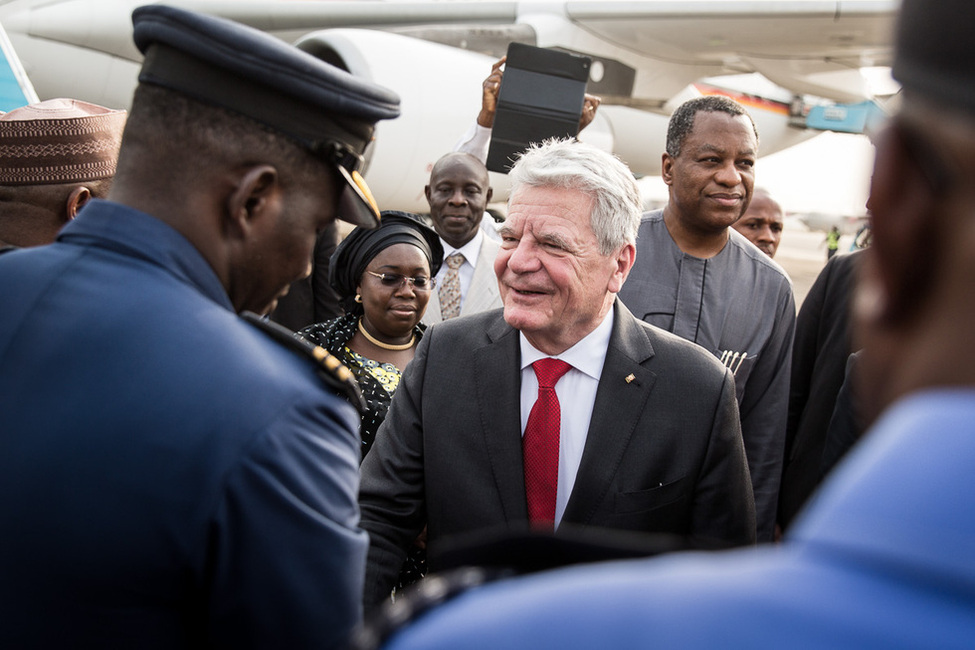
(241, 69)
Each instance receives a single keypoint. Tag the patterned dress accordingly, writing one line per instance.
(378, 382)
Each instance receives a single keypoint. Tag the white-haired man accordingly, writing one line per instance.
(643, 431)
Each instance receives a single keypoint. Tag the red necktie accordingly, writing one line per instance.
(540, 444)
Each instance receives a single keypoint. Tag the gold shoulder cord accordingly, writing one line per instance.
(330, 369)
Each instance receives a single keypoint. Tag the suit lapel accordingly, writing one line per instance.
(432, 314)
(483, 293)
(498, 397)
(616, 412)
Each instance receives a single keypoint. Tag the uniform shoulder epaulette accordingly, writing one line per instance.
(332, 371)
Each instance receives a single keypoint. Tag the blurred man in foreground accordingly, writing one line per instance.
(883, 556)
(170, 475)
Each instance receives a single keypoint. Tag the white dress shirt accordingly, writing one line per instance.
(576, 391)
(476, 141)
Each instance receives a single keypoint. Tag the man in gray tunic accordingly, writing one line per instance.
(700, 279)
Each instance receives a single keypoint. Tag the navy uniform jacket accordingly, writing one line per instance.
(169, 475)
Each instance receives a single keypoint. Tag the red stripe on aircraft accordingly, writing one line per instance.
(754, 101)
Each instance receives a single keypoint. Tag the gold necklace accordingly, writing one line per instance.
(386, 346)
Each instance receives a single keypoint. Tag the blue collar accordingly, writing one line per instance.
(124, 230)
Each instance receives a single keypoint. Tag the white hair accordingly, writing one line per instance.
(570, 164)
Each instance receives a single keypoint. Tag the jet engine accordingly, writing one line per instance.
(440, 90)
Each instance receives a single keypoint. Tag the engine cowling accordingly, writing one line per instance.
(440, 90)
(440, 94)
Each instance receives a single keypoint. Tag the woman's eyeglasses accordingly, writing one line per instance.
(420, 282)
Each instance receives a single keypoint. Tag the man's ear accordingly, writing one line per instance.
(489, 194)
(905, 211)
(76, 200)
(624, 262)
(667, 168)
(426, 192)
(251, 196)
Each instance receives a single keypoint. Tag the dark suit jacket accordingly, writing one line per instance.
(663, 454)
(819, 355)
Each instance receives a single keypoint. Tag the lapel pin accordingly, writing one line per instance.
(630, 377)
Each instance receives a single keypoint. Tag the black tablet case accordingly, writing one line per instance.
(541, 96)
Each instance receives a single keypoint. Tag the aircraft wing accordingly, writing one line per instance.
(812, 48)
(647, 50)
(434, 54)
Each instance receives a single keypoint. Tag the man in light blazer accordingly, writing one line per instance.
(458, 194)
(649, 438)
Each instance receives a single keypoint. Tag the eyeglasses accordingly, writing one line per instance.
(420, 282)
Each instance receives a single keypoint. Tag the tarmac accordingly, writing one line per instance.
(802, 253)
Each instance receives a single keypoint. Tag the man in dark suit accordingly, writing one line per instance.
(648, 437)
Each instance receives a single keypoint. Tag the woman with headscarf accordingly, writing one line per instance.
(384, 277)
